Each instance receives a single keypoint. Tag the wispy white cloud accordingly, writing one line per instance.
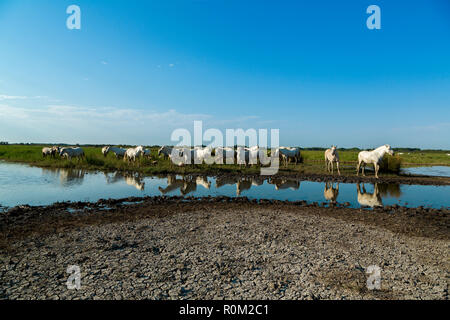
(104, 62)
(77, 124)
(8, 97)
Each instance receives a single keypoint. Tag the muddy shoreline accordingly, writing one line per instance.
(222, 248)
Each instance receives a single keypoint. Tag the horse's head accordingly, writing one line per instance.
(333, 149)
(389, 150)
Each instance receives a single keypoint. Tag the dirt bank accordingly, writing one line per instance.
(170, 248)
(318, 177)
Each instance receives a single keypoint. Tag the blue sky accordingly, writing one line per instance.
(139, 69)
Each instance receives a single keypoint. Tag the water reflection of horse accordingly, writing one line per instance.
(281, 184)
(130, 179)
(242, 183)
(330, 193)
(67, 177)
(369, 199)
(186, 184)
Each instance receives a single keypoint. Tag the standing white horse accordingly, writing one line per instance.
(119, 152)
(132, 153)
(331, 156)
(374, 156)
(288, 153)
(71, 152)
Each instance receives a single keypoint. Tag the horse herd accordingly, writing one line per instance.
(240, 155)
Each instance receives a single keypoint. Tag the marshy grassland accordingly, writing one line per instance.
(312, 161)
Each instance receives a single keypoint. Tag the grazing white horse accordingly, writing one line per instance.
(50, 151)
(242, 155)
(47, 152)
(132, 153)
(166, 151)
(175, 154)
(374, 156)
(224, 155)
(202, 154)
(119, 152)
(105, 151)
(253, 154)
(331, 156)
(71, 152)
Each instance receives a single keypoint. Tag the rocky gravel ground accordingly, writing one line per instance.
(169, 248)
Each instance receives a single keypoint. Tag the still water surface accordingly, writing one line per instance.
(442, 171)
(22, 184)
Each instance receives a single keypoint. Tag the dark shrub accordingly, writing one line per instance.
(391, 164)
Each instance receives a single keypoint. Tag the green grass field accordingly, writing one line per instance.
(313, 161)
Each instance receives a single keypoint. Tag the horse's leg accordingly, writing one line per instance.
(337, 166)
(376, 167)
(363, 167)
(357, 168)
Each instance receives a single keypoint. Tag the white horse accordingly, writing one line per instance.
(288, 153)
(119, 152)
(69, 153)
(47, 152)
(105, 151)
(242, 155)
(202, 154)
(374, 156)
(331, 156)
(132, 153)
(224, 155)
(166, 151)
